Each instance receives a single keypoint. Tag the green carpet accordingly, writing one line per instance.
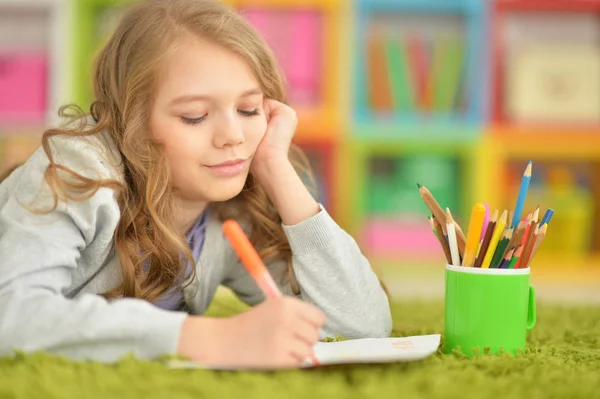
(562, 361)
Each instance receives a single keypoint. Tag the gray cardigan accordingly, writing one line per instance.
(53, 266)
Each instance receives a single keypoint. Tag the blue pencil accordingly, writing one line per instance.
(522, 195)
(506, 259)
(547, 216)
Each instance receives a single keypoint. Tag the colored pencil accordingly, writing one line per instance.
(252, 262)
(538, 242)
(528, 237)
(517, 237)
(502, 245)
(250, 258)
(432, 227)
(529, 245)
(547, 216)
(473, 234)
(536, 214)
(486, 221)
(522, 195)
(506, 259)
(442, 240)
(516, 256)
(487, 239)
(452, 238)
(498, 231)
(439, 214)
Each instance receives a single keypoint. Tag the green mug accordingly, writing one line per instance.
(487, 310)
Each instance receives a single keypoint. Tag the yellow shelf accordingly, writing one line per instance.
(547, 143)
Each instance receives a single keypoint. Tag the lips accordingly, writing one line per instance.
(229, 168)
(229, 163)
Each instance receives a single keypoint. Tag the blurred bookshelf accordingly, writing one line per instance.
(454, 94)
(545, 107)
(33, 73)
(419, 103)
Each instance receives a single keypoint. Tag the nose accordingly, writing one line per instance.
(229, 132)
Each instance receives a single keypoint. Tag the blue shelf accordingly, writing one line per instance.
(470, 6)
(475, 86)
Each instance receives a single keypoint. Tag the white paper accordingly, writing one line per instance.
(376, 350)
(366, 350)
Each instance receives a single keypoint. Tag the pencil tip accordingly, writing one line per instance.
(419, 186)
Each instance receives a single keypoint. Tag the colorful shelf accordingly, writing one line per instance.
(33, 73)
(400, 86)
(419, 62)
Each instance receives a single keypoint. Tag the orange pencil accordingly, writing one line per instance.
(255, 266)
(249, 257)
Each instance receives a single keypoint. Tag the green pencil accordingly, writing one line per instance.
(515, 257)
(433, 227)
(501, 248)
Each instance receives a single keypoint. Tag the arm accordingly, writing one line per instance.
(331, 270)
(38, 256)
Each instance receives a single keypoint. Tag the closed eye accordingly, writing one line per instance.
(193, 121)
(249, 113)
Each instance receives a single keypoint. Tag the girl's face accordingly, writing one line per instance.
(208, 114)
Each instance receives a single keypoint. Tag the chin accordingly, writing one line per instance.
(226, 189)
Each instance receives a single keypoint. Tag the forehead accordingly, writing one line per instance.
(198, 66)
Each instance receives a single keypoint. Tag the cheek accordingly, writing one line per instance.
(182, 144)
(255, 131)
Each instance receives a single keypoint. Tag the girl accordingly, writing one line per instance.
(110, 234)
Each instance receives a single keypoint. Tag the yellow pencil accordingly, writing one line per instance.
(495, 239)
(475, 226)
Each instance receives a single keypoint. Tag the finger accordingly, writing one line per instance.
(312, 314)
(278, 108)
(306, 332)
(267, 108)
(300, 351)
(289, 361)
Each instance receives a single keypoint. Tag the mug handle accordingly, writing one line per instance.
(531, 316)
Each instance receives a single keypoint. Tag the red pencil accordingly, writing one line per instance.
(525, 238)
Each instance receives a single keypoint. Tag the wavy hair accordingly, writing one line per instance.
(124, 79)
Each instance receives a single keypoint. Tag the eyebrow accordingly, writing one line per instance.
(196, 97)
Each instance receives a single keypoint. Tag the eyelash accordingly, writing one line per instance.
(195, 121)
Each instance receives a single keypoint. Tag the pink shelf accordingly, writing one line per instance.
(23, 84)
(406, 238)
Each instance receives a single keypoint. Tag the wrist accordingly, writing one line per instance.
(272, 169)
(200, 339)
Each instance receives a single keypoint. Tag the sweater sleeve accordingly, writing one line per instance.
(40, 253)
(333, 275)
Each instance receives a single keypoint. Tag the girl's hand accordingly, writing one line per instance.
(273, 148)
(274, 171)
(278, 333)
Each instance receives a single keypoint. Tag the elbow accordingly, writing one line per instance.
(17, 332)
(376, 320)
(378, 325)
(368, 323)
(10, 337)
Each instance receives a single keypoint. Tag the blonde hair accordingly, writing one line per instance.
(124, 81)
